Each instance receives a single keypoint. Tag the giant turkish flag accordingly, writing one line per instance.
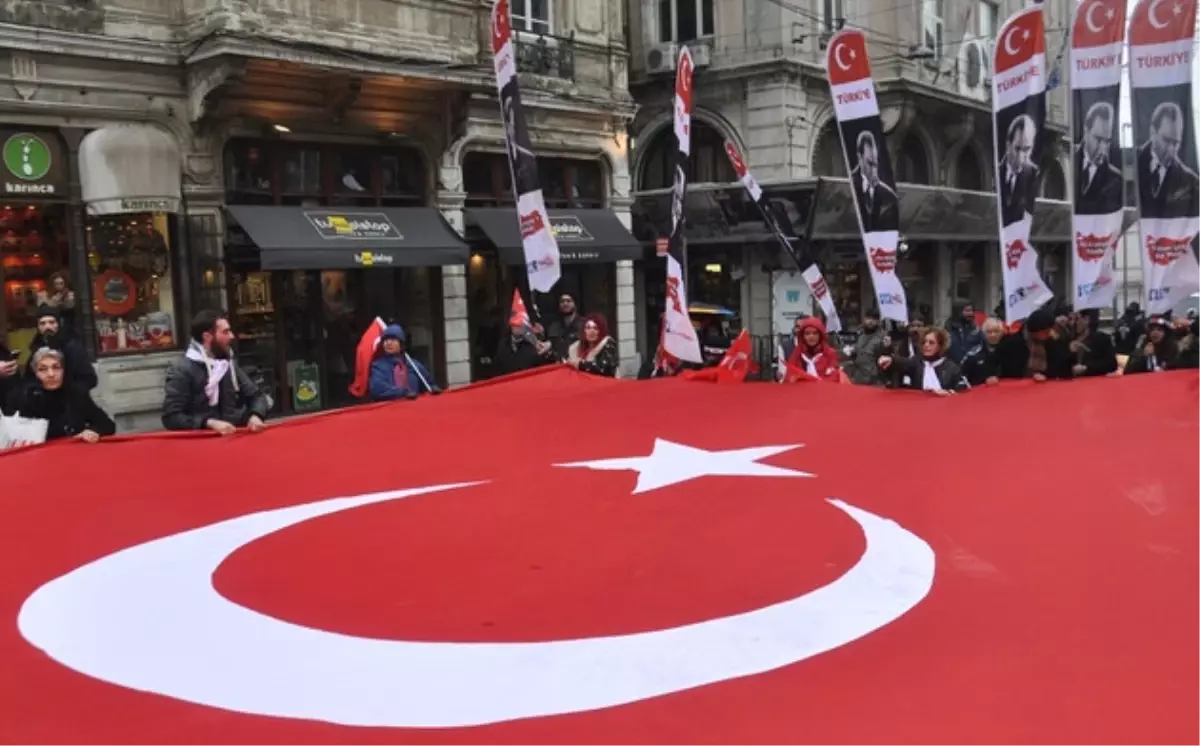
(565, 558)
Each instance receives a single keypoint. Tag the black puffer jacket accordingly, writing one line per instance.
(186, 407)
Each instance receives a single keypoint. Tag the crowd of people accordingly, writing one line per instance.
(207, 390)
(1055, 342)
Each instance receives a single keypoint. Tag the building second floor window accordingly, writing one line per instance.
(933, 27)
(565, 183)
(268, 172)
(833, 15)
(988, 20)
(684, 20)
(532, 16)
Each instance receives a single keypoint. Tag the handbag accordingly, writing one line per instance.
(17, 431)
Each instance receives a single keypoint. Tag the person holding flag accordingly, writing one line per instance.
(523, 345)
(394, 374)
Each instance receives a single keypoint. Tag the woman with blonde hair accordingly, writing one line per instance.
(931, 370)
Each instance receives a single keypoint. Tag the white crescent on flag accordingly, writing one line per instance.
(148, 618)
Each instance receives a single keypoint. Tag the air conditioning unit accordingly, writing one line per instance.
(974, 68)
(701, 55)
(661, 58)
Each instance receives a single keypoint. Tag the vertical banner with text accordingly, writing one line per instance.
(1019, 119)
(870, 168)
(1098, 181)
(1161, 65)
(803, 258)
(542, 262)
(679, 337)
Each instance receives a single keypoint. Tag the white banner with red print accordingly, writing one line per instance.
(542, 262)
(1161, 65)
(1098, 182)
(1019, 118)
(801, 256)
(868, 165)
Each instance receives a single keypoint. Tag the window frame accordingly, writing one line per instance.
(991, 11)
(527, 23)
(500, 193)
(933, 18)
(328, 195)
(833, 14)
(671, 32)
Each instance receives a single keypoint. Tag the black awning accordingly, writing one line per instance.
(382, 237)
(583, 235)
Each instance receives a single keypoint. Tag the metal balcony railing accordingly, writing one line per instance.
(542, 54)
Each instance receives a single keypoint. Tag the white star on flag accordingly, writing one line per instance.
(671, 463)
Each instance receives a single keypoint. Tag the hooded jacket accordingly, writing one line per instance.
(398, 376)
(964, 335)
(824, 359)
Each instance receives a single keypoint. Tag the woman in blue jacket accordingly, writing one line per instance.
(394, 374)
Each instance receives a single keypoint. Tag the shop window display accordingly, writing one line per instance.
(132, 289)
(33, 252)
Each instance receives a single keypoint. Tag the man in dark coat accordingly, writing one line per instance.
(1167, 187)
(206, 389)
(1099, 185)
(1092, 351)
(1017, 175)
(53, 334)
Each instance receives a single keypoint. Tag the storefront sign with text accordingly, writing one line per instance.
(354, 225)
(568, 228)
(33, 164)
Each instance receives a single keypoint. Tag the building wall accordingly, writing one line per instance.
(182, 64)
(765, 87)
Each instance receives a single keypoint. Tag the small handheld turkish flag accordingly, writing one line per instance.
(363, 356)
(518, 317)
(736, 364)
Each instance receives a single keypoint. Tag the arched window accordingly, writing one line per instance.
(708, 163)
(827, 154)
(968, 171)
(911, 162)
(1054, 181)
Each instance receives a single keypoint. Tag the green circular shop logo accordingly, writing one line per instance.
(27, 156)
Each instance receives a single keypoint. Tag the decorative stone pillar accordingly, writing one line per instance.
(942, 282)
(627, 310)
(454, 293)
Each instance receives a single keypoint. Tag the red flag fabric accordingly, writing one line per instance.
(363, 355)
(736, 364)
(734, 572)
(518, 317)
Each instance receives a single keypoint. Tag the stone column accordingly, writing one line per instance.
(454, 291)
(942, 282)
(627, 310)
(992, 278)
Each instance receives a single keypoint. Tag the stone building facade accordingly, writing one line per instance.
(760, 82)
(191, 91)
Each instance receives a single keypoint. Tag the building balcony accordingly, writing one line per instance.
(545, 55)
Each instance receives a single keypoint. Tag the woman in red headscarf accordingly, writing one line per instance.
(813, 356)
(595, 352)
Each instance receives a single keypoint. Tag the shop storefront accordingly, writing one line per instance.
(107, 256)
(35, 233)
(320, 240)
(591, 240)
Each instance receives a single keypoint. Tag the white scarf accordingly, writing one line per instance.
(810, 365)
(929, 381)
(217, 369)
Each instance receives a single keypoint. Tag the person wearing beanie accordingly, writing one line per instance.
(1157, 351)
(394, 373)
(51, 333)
(1047, 354)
